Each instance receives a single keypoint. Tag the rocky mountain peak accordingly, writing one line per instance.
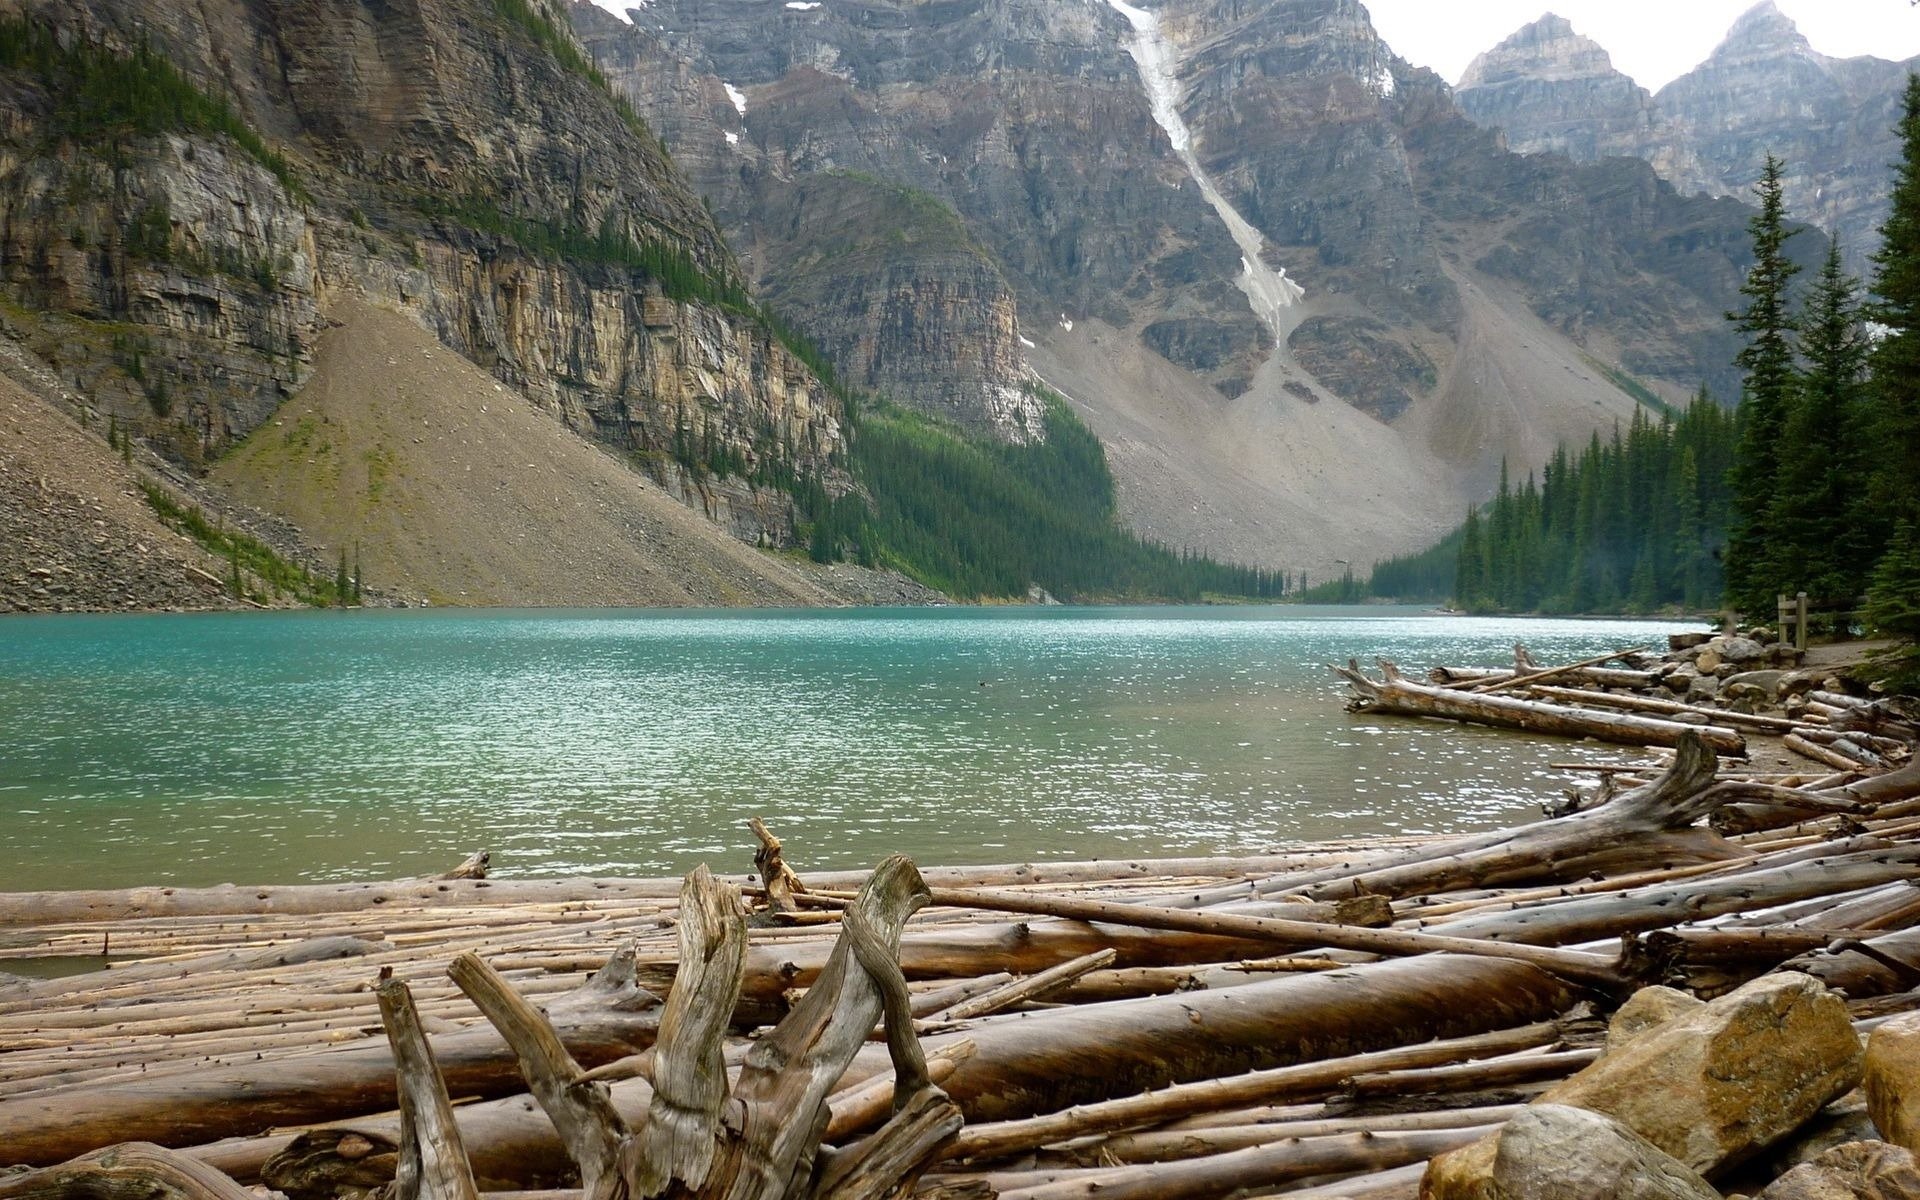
(1546, 50)
(1763, 31)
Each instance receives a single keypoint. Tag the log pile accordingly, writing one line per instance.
(1671, 978)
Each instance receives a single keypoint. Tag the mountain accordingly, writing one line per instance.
(189, 193)
(1551, 90)
(1764, 88)
(1306, 304)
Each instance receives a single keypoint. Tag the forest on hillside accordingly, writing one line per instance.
(1812, 484)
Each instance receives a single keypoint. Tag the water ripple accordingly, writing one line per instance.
(270, 746)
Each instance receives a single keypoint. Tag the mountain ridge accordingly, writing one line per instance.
(1764, 88)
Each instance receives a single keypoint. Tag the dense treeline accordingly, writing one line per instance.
(1630, 524)
(985, 519)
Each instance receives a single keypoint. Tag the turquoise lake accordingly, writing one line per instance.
(275, 747)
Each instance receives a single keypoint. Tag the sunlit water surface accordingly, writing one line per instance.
(268, 747)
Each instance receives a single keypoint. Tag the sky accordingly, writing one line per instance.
(1655, 41)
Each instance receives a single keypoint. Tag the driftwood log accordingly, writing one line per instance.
(1398, 695)
(608, 1018)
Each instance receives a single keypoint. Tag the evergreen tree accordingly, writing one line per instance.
(1816, 522)
(1893, 601)
(1768, 364)
(1894, 482)
(1470, 588)
(340, 580)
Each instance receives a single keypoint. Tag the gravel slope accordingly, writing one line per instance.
(75, 532)
(457, 491)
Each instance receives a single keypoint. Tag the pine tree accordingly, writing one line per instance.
(1894, 482)
(1893, 601)
(1768, 363)
(1816, 519)
(340, 580)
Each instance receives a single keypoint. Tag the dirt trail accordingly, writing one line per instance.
(456, 490)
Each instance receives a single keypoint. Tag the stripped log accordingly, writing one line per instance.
(128, 1171)
(1257, 1167)
(432, 1163)
(1528, 678)
(776, 877)
(1033, 987)
(1397, 695)
(1654, 704)
(1577, 966)
(608, 1018)
(1557, 848)
(1035, 1062)
(1311, 1080)
(1172, 1144)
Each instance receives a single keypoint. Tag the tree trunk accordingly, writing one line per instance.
(608, 1018)
(1398, 695)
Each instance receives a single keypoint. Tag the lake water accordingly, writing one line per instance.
(274, 747)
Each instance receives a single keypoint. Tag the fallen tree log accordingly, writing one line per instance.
(1397, 695)
(1875, 967)
(1035, 1062)
(1318, 1023)
(963, 951)
(1307, 1080)
(608, 1018)
(1578, 966)
(311, 899)
(1169, 1145)
(1556, 848)
(129, 1171)
(1614, 914)
(1653, 704)
(1231, 1173)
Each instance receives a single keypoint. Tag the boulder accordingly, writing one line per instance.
(1709, 661)
(1679, 680)
(1855, 1171)
(1892, 1080)
(1712, 1088)
(1687, 641)
(1703, 687)
(1556, 1152)
(1765, 683)
(1741, 650)
(1843, 1121)
(1799, 683)
(1646, 1008)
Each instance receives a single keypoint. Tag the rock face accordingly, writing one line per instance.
(1711, 1088)
(1460, 300)
(452, 158)
(1855, 1171)
(1763, 89)
(1646, 1009)
(1893, 1080)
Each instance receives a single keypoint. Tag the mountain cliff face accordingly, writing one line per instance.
(1306, 304)
(1763, 89)
(455, 159)
(1551, 90)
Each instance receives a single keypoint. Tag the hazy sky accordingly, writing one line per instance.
(1652, 40)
